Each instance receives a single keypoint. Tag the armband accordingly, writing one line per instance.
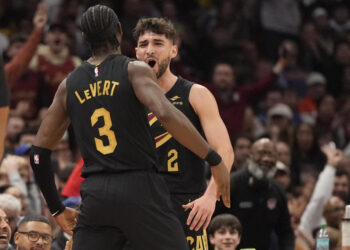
(213, 158)
(40, 162)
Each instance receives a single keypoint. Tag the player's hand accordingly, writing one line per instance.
(201, 213)
(40, 17)
(222, 180)
(67, 220)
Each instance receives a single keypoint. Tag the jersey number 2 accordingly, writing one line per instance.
(104, 131)
(173, 166)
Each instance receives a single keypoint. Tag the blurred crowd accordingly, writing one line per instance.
(277, 68)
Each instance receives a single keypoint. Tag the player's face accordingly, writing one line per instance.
(156, 50)
(225, 238)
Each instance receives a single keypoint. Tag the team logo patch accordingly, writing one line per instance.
(96, 72)
(271, 203)
(36, 158)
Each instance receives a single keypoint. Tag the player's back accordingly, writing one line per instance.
(110, 123)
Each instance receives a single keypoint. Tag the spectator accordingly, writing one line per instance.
(12, 207)
(316, 84)
(325, 39)
(279, 123)
(335, 70)
(334, 212)
(291, 98)
(5, 231)
(327, 124)
(294, 75)
(340, 23)
(282, 175)
(242, 146)
(233, 100)
(341, 187)
(21, 58)
(307, 158)
(63, 153)
(258, 202)
(15, 126)
(312, 216)
(53, 61)
(16, 192)
(283, 153)
(34, 232)
(312, 54)
(273, 97)
(225, 232)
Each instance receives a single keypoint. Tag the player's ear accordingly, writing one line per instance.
(136, 50)
(174, 51)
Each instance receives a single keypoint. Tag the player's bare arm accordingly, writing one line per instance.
(205, 106)
(174, 121)
(50, 132)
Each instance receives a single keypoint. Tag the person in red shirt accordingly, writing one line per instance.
(13, 70)
(233, 100)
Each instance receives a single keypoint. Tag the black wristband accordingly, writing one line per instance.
(59, 211)
(213, 158)
(40, 161)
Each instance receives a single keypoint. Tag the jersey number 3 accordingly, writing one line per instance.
(104, 131)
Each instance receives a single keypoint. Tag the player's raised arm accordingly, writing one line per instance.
(149, 93)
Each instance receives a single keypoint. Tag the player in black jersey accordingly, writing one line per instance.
(182, 169)
(105, 99)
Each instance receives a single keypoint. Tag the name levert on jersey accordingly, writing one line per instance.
(99, 88)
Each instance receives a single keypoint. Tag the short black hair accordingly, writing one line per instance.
(33, 217)
(224, 220)
(340, 172)
(99, 25)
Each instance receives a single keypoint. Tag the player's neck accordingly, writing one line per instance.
(100, 56)
(167, 80)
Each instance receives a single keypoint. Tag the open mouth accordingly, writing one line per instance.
(57, 41)
(3, 237)
(151, 63)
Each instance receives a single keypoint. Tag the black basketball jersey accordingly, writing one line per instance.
(110, 123)
(182, 169)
